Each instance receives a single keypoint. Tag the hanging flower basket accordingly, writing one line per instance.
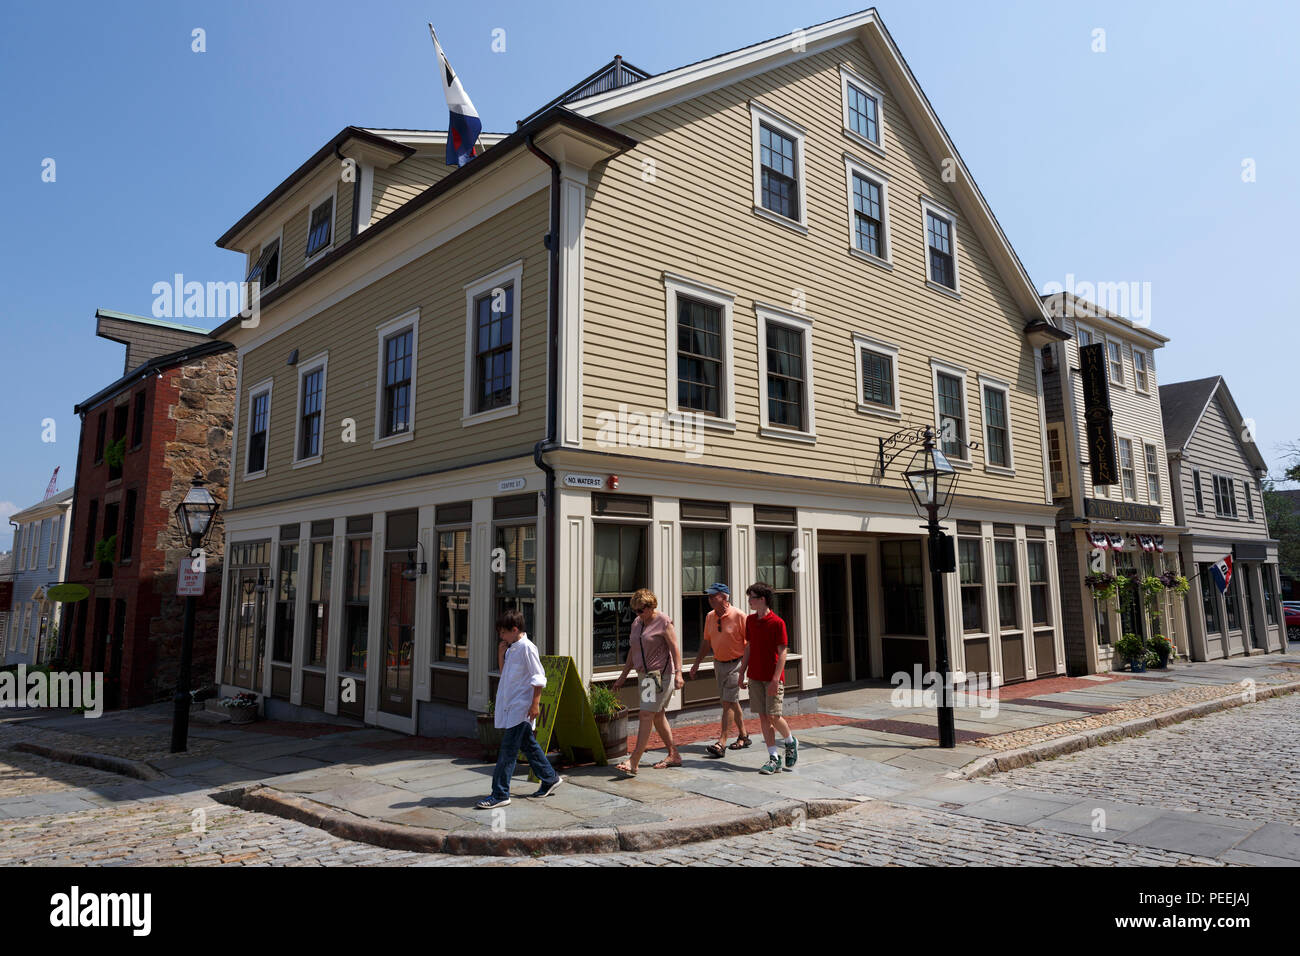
(1176, 583)
(1104, 586)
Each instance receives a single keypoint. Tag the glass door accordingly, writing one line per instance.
(399, 635)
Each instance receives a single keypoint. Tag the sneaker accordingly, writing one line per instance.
(773, 765)
(491, 803)
(791, 753)
(546, 789)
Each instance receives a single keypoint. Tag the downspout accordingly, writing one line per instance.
(547, 444)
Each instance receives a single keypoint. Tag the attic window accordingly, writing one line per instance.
(320, 231)
(267, 268)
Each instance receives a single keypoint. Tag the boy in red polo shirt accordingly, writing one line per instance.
(764, 664)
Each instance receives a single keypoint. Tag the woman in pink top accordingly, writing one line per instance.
(653, 647)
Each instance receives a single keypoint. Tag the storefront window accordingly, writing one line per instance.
(902, 579)
(618, 571)
(1231, 604)
(773, 566)
(1266, 572)
(452, 641)
(1038, 583)
(1210, 601)
(1004, 557)
(971, 561)
(515, 564)
(704, 561)
(356, 601)
(246, 625)
(318, 606)
(286, 600)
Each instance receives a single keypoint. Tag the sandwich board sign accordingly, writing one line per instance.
(566, 711)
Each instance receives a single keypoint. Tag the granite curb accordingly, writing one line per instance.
(119, 765)
(1023, 756)
(634, 837)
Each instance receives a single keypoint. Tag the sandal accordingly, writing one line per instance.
(625, 769)
(715, 750)
(664, 764)
(741, 743)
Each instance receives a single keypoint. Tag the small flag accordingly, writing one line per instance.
(1221, 571)
(53, 487)
(463, 126)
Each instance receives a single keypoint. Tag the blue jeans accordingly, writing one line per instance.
(517, 738)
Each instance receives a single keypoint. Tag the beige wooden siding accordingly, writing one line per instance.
(1214, 449)
(1137, 417)
(294, 251)
(343, 211)
(696, 219)
(403, 181)
(435, 283)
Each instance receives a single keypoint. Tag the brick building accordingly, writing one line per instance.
(143, 438)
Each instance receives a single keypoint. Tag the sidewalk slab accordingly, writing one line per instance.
(1189, 833)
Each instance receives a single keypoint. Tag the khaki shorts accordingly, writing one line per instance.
(762, 702)
(646, 687)
(727, 674)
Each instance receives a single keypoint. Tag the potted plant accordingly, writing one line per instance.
(105, 548)
(1134, 650)
(115, 452)
(489, 735)
(611, 719)
(242, 707)
(1162, 647)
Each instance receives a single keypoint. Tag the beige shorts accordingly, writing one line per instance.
(727, 674)
(762, 702)
(651, 703)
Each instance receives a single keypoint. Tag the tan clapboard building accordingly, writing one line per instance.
(765, 268)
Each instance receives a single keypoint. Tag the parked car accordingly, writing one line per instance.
(1292, 612)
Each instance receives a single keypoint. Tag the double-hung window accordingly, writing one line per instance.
(320, 227)
(1008, 578)
(1250, 504)
(877, 368)
(940, 247)
(1196, 489)
(311, 411)
(395, 378)
(970, 560)
(997, 424)
(492, 347)
(950, 410)
(1140, 378)
(1225, 497)
(259, 423)
(699, 350)
(1115, 361)
(778, 168)
(785, 374)
(1128, 477)
(868, 203)
(1153, 472)
(1056, 461)
(863, 108)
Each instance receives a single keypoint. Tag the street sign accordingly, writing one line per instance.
(584, 481)
(189, 582)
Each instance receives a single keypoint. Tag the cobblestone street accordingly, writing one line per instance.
(1238, 764)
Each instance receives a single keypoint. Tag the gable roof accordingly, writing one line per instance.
(1183, 405)
(626, 102)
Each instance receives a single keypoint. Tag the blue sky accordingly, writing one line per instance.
(1115, 166)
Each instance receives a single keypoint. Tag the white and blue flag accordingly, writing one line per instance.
(463, 126)
(1221, 572)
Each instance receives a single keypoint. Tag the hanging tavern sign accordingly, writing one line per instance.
(1097, 414)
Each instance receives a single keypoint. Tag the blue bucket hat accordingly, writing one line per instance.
(718, 588)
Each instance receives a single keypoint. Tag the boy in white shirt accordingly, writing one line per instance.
(519, 694)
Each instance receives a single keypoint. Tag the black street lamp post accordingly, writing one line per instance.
(931, 480)
(194, 515)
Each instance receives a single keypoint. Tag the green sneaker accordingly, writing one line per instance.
(791, 753)
(773, 765)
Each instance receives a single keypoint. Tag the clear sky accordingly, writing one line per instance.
(1115, 166)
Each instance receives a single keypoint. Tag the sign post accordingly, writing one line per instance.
(566, 710)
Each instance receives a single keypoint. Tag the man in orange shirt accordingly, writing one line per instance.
(724, 631)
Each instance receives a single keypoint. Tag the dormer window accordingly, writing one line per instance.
(320, 231)
(267, 268)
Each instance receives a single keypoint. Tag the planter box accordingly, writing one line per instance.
(242, 715)
(613, 733)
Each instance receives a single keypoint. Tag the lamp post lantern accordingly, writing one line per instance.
(931, 480)
(194, 516)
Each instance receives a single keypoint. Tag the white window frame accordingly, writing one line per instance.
(957, 371)
(675, 285)
(33, 559)
(1146, 370)
(998, 385)
(56, 528)
(928, 208)
(885, 350)
(1132, 463)
(856, 167)
(512, 273)
(263, 386)
(278, 234)
(323, 197)
(1146, 468)
(1110, 366)
(759, 114)
(305, 368)
(1061, 490)
(1080, 330)
(404, 321)
(802, 323)
(849, 78)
